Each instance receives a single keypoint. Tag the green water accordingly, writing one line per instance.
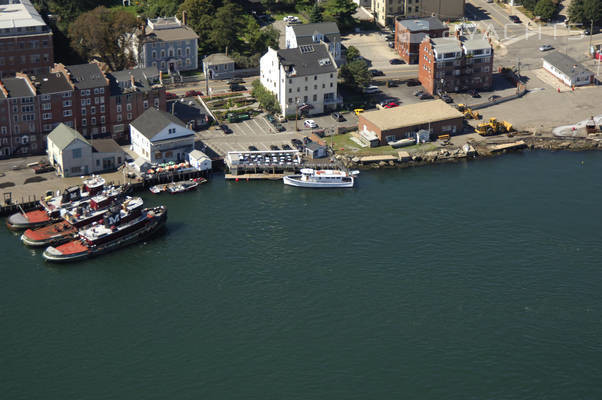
(469, 281)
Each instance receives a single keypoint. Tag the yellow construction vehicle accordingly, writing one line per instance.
(468, 112)
(494, 127)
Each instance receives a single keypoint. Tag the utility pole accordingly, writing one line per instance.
(591, 33)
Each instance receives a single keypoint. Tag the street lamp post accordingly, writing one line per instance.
(297, 114)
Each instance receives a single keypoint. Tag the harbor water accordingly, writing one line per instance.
(477, 280)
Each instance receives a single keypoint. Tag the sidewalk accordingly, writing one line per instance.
(552, 29)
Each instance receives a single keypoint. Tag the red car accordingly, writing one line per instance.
(391, 105)
(192, 93)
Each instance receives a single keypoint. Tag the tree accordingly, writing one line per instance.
(316, 14)
(355, 73)
(545, 9)
(258, 40)
(159, 8)
(199, 14)
(585, 11)
(529, 4)
(352, 54)
(576, 13)
(266, 99)
(105, 33)
(227, 25)
(341, 12)
(592, 11)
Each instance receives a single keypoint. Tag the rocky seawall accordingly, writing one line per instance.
(473, 150)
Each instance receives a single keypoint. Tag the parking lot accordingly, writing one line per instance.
(261, 134)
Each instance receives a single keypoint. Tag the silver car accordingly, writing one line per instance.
(546, 47)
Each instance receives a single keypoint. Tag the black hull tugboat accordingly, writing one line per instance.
(80, 217)
(109, 236)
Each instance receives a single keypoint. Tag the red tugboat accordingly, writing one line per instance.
(109, 235)
(79, 217)
(49, 210)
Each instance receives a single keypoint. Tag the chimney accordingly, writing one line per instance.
(132, 81)
(184, 18)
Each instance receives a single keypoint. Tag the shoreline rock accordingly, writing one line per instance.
(454, 155)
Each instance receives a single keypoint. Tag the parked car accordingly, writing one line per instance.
(270, 118)
(389, 36)
(337, 116)
(391, 44)
(234, 81)
(286, 147)
(371, 89)
(225, 128)
(306, 140)
(252, 148)
(310, 123)
(391, 83)
(376, 72)
(475, 94)
(296, 142)
(387, 101)
(425, 96)
(170, 96)
(42, 168)
(274, 147)
(391, 105)
(191, 93)
(418, 93)
(493, 97)
(515, 19)
(546, 47)
(395, 61)
(413, 82)
(446, 98)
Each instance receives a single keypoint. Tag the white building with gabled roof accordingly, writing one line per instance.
(304, 77)
(158, 137)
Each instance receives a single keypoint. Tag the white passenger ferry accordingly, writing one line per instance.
(326, 178)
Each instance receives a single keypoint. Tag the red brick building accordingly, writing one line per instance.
(409, 33)
(455, 64)
(80, 96)
(25, 39)
(403, 122)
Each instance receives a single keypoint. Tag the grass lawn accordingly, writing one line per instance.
(278, 16)
(342, 144)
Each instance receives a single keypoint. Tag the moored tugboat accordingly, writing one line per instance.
(49, 209)
(109, 236)
(79, 217)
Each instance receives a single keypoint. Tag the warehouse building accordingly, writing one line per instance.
(402, 122)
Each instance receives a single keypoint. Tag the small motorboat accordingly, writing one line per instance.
(181, 187)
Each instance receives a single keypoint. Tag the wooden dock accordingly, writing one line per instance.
(254, 177)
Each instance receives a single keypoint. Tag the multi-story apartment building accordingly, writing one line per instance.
(167, 44)
(25, 39)
(409, 33)
(327, 32)
(81, 97)
(455, 64)
(133, 92)
(304, 76)
(385, 11)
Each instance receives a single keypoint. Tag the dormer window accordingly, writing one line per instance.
(171, 130)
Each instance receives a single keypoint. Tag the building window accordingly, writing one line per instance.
(67, 113)
(156, 102)
(84, 122)
(118, 108)
(128, 106)
(145, 104)
(102, 108)
(102, 119)
(83, 111)
(92, 110)
(129, 116)
(66, 103)
(76, 153)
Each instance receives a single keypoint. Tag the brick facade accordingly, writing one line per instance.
(96, 104)
(455, 65)
(25, 39)
(409, 35)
